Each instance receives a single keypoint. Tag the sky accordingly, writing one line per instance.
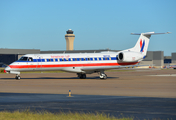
(97, 24)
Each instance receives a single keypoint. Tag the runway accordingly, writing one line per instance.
(129, 93)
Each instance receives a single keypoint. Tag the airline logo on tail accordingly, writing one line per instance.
(142, 44)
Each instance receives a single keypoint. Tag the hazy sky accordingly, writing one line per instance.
(97, 24)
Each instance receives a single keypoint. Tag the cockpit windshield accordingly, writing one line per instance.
(26, 59)
(23, 59)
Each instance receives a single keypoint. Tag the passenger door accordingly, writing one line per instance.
(30, 63)
(39, 62)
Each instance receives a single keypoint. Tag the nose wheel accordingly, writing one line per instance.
(17, 77)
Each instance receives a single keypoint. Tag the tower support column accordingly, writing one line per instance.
(69, 39)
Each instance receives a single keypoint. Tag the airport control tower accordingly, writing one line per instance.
(69, 39)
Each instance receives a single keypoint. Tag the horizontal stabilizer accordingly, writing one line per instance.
(149, 33)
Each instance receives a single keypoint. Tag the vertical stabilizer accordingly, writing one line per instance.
(143, 42)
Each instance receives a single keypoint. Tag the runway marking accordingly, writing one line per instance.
(164, 75)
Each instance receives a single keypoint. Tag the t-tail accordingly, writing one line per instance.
(143, 42)
(139, 51)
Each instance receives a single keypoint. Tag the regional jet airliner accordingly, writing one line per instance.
(83, 63)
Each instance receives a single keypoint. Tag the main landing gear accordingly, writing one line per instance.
(103, 75)
(17, 77)
(81, 76)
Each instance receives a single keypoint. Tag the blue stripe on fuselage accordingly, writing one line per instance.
(73, 59)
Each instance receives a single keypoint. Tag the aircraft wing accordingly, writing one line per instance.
(106, 67)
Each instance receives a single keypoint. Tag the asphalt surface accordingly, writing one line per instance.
(118, 106)
(140, 94)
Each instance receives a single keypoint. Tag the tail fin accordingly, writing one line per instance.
(143, 42)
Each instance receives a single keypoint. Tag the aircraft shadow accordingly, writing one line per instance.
(70, 78)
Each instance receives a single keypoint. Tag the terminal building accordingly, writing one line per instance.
(153, 58)
(173, 57)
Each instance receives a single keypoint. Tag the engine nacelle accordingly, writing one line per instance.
(129, 56)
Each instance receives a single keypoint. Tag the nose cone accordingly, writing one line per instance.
(7, 69)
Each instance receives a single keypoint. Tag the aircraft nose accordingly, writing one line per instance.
(7, 69)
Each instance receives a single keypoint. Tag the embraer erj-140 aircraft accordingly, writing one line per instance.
(83, 63)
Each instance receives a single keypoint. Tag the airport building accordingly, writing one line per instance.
(69, 37)
(154, 58)
(8, 56)
(173, 57)
(167, 59)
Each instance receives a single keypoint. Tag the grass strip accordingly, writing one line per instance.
(27, 115)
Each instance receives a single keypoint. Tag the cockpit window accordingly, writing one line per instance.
(26, 59)
(30, 59)
(23, 59)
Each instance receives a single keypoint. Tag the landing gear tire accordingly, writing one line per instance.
(17, 77)
(103, 76)
(81, 76)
